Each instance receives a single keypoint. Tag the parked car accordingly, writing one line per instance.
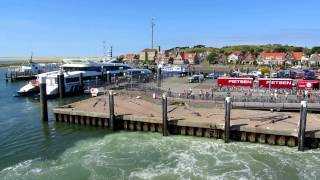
(214, 76)
(196, 78)
(255, 73)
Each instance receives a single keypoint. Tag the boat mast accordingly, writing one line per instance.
(110, 52)
(30, 60)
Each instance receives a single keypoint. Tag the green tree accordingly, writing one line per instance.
(213, 58)
(297, 49)
(315, 49)
(170, 61)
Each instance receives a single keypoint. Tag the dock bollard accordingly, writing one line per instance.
(164, 115)
(43, 99)
(227, 119)
(302, 126)
(111, 112)
(61, 85)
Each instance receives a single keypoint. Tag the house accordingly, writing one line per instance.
(180, 58)
(192, 58)
(249, 58)
(274, 58)
(304, 59)
(162, 58)
(235, 57)
(186, 58)
(131, 57)
(297, 57)
(314, 59)
(149, 54)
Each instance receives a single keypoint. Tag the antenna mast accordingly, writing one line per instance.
(152, 33)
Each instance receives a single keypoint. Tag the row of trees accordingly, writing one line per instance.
(255, 49)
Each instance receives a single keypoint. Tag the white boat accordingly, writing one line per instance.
(90, 72)
(169, 68)
(31, 68)
(29, 89)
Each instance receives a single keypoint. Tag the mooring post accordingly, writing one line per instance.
(81, 83)
(6, 77)
(61, 84)
(159, 77)
(108, 77)
(164, 115)
(102, 73)
(111, 112)
(302, 126)
(43, 99)
(227, 119)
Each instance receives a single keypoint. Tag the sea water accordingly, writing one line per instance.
(31, 149)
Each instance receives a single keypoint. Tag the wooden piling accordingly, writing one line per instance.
(227, 119)
(61, 85)
(302, 126)
(43, 99)
(108, 77)
(81, 83)
(159, 77)
(164, 115)
(111, 112)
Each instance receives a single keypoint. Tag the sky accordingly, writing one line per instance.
(78, 27)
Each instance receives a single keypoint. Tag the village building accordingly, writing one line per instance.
(149, 54)
(297, 57)
(131, 57)
(314, 59)
(304, 59)
(249, 58)
(192, 58)
(272, 58)
(162, 58)
(235, 57)
(180, 58)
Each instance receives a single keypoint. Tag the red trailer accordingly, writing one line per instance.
(235, 82)
(276, 83)
(308, 84)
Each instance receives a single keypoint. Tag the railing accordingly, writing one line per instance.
(149, 86)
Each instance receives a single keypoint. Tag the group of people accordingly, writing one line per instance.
(191, 94)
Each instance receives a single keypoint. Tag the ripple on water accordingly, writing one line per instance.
(151, 156)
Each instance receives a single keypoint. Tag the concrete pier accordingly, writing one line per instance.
(145, 114)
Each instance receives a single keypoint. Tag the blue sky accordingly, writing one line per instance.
(78, 27)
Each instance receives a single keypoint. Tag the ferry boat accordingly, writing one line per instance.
(175, 69)
(73, 69)
(30, 69)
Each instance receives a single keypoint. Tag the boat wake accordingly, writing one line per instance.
(137, 155)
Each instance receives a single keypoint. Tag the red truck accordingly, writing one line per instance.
(276, 83)
(235, 82)
(308, 84)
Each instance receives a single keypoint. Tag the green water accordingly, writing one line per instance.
(31, 150)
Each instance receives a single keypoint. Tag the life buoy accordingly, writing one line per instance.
(94, 91)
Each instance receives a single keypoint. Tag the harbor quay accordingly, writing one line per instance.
(136, 112)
